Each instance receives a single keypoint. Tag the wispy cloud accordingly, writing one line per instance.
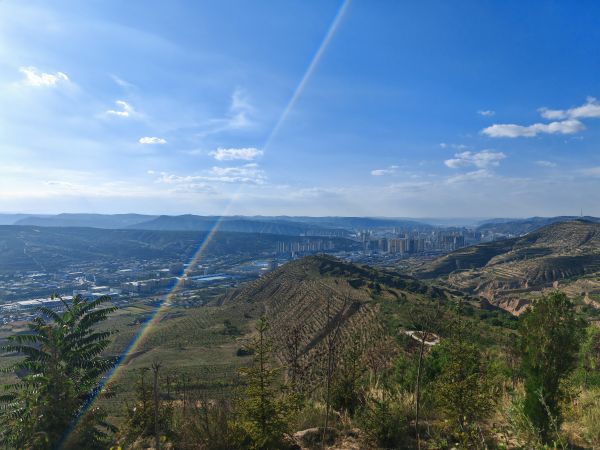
(483, 159)
(246, 174)
(240, 109)
(239, 116)
(387, 171)
(454, 146)
(543, 163)
(486, 112)
(230, 154)
(126, 110)
(121, 82)
(591, 171)
(34, 77)
(570, 126)
(476, 175)
(152, 140)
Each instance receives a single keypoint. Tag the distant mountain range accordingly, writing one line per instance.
(281, 225)
(109, 221)
(509, 272)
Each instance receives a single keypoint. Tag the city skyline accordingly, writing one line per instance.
(420, 109)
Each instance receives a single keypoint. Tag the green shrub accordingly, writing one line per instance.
(384, 418)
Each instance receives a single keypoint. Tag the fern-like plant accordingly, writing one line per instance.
(48, 406)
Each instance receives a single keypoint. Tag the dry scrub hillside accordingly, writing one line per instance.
(320, 305)
(508, 272)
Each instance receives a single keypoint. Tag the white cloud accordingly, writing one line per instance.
(564, 121)
(569, 126)
(151, 140)
(380, 172)
(486, 112)
(230, 154)
(543, 163)
(483, 159)
(590, 109)
(552, 114)
(125, 111)
(476, 175)
(247, 174)
(33, 77)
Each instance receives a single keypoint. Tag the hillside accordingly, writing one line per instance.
(508, 272)
(311, 305)
(309, 301)
(519, 227)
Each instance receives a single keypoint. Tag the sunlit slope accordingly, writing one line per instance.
(508, 270)
(312, 301)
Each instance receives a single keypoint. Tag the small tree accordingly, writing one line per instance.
(346, 386)
(148, 414)
(58, 377)
(550, 337)
(589, 357)
(333, 324)
(264, 411)
(425, 322)
(384, 417)
(463, 390)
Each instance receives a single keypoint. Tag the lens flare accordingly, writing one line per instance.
(165, 302)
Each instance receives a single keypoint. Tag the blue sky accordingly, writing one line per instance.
(412, 109)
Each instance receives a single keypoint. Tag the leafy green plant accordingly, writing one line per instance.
(384, 418)
(58, 377)
(265, 411)
(550, 337)
(464, 391)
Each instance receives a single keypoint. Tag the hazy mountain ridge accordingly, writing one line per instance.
(234, 224)
(110, 221)
(271, 224)
(29, 248)
(519, 227)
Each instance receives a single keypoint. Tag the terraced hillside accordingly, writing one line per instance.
(320, 301)
(508, 272)
(519, 227)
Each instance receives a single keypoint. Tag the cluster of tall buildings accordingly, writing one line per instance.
(304, 246)
(414, 243)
